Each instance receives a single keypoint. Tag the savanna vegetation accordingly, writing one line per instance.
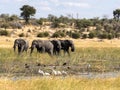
(101, 57)
(103, 28)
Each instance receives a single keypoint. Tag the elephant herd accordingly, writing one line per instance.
(52, 47)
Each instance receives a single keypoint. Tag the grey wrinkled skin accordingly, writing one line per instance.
(21, 44)
(66, 44)
(42, 46)
(57, 47)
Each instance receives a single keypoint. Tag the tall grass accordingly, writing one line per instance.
(99, 58)
(57, 83)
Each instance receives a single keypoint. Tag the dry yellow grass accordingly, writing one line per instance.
(60, 83)
(8, 42)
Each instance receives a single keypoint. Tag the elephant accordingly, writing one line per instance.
(42, 46)
(57, 46)
(65, 44)
(22, 45)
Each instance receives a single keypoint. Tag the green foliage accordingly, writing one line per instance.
(3, 33)
(40, 35)
(46, 34)
(41, 21)
(116, 14)
(14, 18)
(103, 35)
(83, 23)
(51, 17)
(21, 35)
(92, 35)
(43, 34)
(84, 36)
(56, 23)
(59, 34)
(110, 36)
(27, 11)
(75, 35)
(5, 25)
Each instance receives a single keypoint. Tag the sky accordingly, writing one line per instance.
(75, 8)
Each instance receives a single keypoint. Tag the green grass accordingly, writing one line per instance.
(101, 59)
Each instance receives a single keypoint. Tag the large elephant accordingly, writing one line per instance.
(42, 46)
(57, 46)
(22, 45)
(66, 44)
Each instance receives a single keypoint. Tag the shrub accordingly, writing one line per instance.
(75, 35)
(110, 36)
(21, 35)
(3, 33)
(5, 25)
(55, 35)
(84, 36)
(40, 35)
(43, 34)
(46, 34)
(62, 34)
(103, 35)
(91, 35)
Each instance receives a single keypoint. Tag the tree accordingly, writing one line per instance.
(116, 14)
(51, 17)
(5, 17)
(14, 18)
(27, 11)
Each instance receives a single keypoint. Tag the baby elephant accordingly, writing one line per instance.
(22, 45)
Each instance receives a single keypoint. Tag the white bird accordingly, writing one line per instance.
(56, 72)
(43, 73)
(40, 72)
(46, 74)
(64, 72)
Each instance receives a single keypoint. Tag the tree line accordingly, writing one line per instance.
(104, 27)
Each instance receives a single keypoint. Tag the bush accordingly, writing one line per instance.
(40, 35)
(62, 34)
(21, 35)
(91, 35)
(55, 35)
(84, 36)
(3, 33)
(43, 34)
(5, 25)
(103, 35)
(46, 34)
(75, 35)
(110, 36)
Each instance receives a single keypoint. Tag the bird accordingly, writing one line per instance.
(56, 72)
(26, 65)
(64, 64)
(38, 64)
(46, 74)
(43, 73)
(64, 72)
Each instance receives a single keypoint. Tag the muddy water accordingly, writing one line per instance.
(80, 75)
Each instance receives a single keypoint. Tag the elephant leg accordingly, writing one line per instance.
(68, 52)
(32, 50)
(50, 52)
(22, 48)
(19, 50)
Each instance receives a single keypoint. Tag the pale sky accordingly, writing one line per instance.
(84, 8)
